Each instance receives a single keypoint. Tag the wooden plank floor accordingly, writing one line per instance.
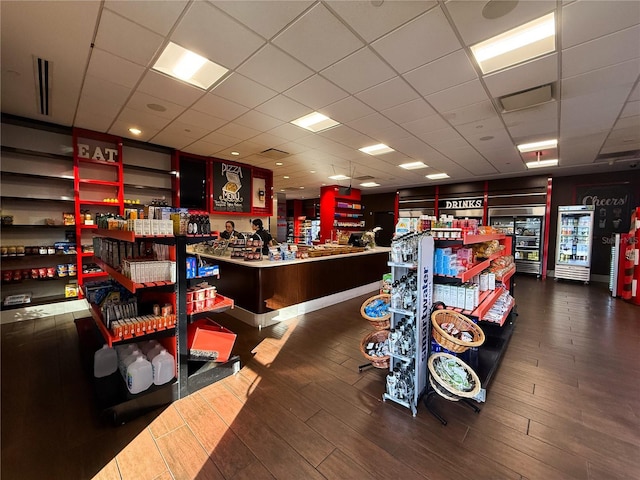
(564, 404)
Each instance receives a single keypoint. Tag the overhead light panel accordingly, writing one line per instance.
(135, 131)
(378, 149)
(315, 122)
(437, 176)
(413, 165)
(522, 43)
(339, 177)
(185, 65)
(542, 163)
(535, 146)
(369, 184)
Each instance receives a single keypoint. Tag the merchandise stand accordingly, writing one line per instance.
(410, 255)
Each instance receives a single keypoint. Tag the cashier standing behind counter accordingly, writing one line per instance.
(260, 233)
(230, 231)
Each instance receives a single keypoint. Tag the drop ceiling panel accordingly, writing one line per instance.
(115, 69)
(86, 116)
(121, 129)
(275, 69)
(630, 109)
(409, 111)
(97, 88)
(243, 91)
(127, 39)
(483, 127)
(346, 135)
(203, 148)
(541, 129)
(547, 112)
(372, 21)
(139, 101)
(472, 114)
(219, 107)
(201, 120)
(220, 140)
(293, 148)
(215, 36)
(579, 147)
(602, 52)
(436, 138)
(238, 131)
(474, 27)
(160, 18)
(175, 91)
(537, 72)
(458, 96)
(472, 161)
(269, 140)
(425, 125)
(285, 109)
(449, 147)
(429, 78)
(316, 92)
(371, 124)
(359, 71)
(146, 122)
(173, 135)
(583, 21)
(387, 94)
(346, 110)
(318, 39)
(258, 121)
(289, 132)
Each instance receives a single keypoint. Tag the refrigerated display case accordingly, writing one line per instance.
(574, 239)
(527, 225)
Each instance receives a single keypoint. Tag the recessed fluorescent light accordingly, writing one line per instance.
(188, 66)
(535, 146)
(235, 153)
(378, 149)
(542, 163)
(413, 165)
(437, 176)
(286, 177)
(369, 184)
(339, 177)
(279, 164)
(315, 122)
(135, 131)
(517, 45)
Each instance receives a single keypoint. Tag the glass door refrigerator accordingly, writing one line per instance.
(573, 246)
(527, 226)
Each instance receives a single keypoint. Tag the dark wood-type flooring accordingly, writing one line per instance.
(564, 404)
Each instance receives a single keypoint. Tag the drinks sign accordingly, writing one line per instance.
(460, 204)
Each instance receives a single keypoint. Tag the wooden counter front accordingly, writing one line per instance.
(263, 286)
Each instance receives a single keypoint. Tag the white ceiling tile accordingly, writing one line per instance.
(121, 129)
(435, 138)
(425, 124)
(635, 94)
(316, 92)
(472, 161)
(346, 110)
(371, 124)
(139, 101)
(446, 145)
(346, 135)
(185, 130)
(258, 121)
(196, 118)
(126, 39)
(412, 147)
(175, 91)
(285, 109)
(498, 138)
(100, 89)
(524, 76)
(429, 78)
(359, 71)
(631, 109)
(602, 52)
(473, 113)
(474, 27)
(481, 127)
(220, 140)
(265, 18)
(219, 107)
(289, 132)
(115, 69)
(585, 20)
(576, 147)
(293, 148)
(89, 120)
(203, 148)
(244, 91)
(372, 21)
(145, 121)
(275, 69)
(207, 32)
(542, 129)
(458, 96)
(409, 111)
(430, 35)
(104, 107)
(621, 75)
(576, 112)
(159, 16)
(318, 39)
(172, 135)
(268, 140)
(387, 94)
(238, 131)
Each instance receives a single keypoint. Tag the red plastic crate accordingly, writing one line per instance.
(208, 340)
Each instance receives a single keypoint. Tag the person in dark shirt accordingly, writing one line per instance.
(230, 231)
(260, 233)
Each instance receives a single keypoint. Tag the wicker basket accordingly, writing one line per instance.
(379, 323)
(462, 323)
(376, 336)
(451, 389)
(442, 392)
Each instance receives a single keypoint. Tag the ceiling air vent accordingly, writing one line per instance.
(274, 153)
(526, 98)
(364, 177)
(42, 69)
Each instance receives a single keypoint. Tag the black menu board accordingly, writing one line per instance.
(231, 188)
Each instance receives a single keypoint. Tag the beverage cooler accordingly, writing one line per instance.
(527, 226)
(573, 246)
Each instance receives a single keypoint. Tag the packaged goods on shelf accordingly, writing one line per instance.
(148, 271)
(486, 249)
(500, 308)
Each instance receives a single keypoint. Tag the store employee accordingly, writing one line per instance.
(230, 231)
(260, 233)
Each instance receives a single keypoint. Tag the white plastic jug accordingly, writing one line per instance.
(124, 364)
(151, 354)
(139, 375)
(147, 346)
(125, 350)
(164, 367)
(105, 362)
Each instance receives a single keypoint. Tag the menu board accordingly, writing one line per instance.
(231, 188)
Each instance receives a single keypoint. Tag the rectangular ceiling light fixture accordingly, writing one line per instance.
(437, 176)
(522, 43)
(315, 122)
(378, 149)
(369, 184)
(542, 163)
(413, 165)
(537, 146)
(185, 65)
(339, 177)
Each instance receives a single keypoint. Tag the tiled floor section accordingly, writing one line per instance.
(564, 404)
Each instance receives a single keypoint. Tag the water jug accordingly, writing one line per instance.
(105, 362)
(147, 346)
(139, 375)
(124, 364)
(164, 367)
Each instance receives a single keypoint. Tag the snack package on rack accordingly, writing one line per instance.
(486, 249)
